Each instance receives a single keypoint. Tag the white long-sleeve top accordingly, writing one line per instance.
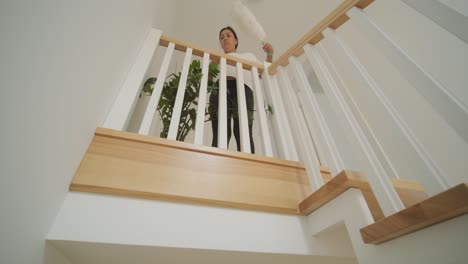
(232, 71)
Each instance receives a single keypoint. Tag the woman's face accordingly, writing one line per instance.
(228, 41)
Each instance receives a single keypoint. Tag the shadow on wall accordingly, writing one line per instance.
(53, 256)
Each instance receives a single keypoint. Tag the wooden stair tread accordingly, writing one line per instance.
(420, 212)
(436, 209)
(133, 165)
(410, 192)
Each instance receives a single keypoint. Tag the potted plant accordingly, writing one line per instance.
(169, 93)
(188, 113)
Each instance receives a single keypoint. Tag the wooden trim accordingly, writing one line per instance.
(76, 187)
(325, 170)
(334, 20)
(336, 186)
(197, 148)
(132, 165)
(364, 3)
(316, 39)
(339, 21)
(410, 192)
(439, 208)
(214, 55)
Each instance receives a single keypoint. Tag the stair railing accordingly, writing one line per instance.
(122, 110)
(301, 129)
(373, 158)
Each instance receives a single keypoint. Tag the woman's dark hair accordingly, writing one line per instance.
(233, 32)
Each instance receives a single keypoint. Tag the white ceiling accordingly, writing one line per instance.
(199, 22)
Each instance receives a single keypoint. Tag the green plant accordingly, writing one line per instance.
(188, 113)
(169, 93)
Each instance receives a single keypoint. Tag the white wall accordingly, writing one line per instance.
(441, 243)
(119, 220)
(62, 64)
(96, 220)
(165, 19)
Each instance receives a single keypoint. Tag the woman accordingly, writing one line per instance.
(229, 42)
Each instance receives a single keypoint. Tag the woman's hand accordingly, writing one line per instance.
(268, 49)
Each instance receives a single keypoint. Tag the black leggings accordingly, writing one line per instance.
(232, 112)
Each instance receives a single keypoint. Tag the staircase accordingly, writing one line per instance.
(147, 197)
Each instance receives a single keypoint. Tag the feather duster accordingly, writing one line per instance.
(247, 21)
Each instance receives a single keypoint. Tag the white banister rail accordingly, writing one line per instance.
(370, 165)
(454, 111)
(157, 90)
(222, 112)
(285, 119)
(334, 20)
(281, 121)
(377, 152)
(260, 101)
(281, 141)
(200, 121)
(214, 55)
(437, 182)
(242, 111)
(304, 143)
(360, 118)
(325, 144)
(123, 106)
(177, 110)
(222, 107)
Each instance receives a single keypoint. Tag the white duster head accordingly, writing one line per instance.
(247, 21)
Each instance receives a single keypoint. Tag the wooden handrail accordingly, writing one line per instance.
(334, 20)
(214, 55)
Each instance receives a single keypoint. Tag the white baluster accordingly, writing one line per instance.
(222, 107)
(157, 90)
(284, 117)
(448, 18)
(365, 127)
(124, 104)
(321, 133)
(280, 137)
(304, 143)
(177, 110)
(281, 121)
(444, 101)
(435, 184)
(277, 139)
(379, 180)
(242, 110)
(261, 113)
(199, 124)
